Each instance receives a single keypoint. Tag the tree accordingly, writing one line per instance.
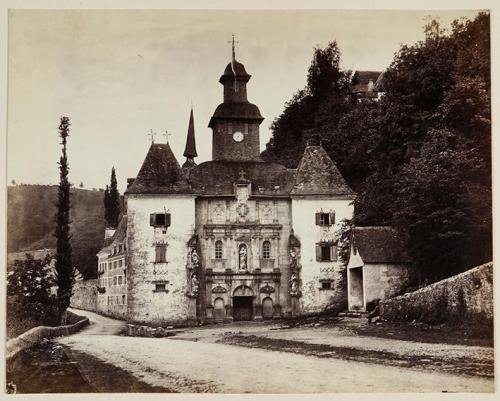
(81, 184)
(64, 269)
(112, 202)
(29, 286)
(313, 113)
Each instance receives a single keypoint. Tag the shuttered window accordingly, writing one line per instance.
(326, 252)
(325, 219)
(160, 253)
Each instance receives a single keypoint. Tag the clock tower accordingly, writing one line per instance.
(235, 122)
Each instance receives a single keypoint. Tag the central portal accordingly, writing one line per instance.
(243, 303)
(242, 308)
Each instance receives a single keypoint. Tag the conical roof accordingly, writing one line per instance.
(318, 175)
(160, 173)
(190, 150)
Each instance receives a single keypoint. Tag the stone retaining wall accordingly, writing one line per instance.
(465, 297)
(85, 295)
(36, 334)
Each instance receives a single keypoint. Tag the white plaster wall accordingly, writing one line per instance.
(145, 305)
(303, 222)
(385, 280)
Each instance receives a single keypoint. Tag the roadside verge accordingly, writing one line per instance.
(36, 334)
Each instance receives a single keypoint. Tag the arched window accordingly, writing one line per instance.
(218, 249)
(266, 250)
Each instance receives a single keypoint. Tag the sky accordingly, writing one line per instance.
(120, 73)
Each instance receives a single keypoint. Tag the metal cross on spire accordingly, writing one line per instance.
(233, 53)
(166, 135)
(152, 135)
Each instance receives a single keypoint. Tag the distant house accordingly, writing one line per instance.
(112, 272)
(378, 266)
(367, 85)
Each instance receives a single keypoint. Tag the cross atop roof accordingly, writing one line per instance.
(233, 53)
(166, 135)
(152, 136)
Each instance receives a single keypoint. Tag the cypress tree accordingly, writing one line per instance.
(114, 201)
(106, 205)
(64, 270)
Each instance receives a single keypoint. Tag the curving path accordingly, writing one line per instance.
(201, 366)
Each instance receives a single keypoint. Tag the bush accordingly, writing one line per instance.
(30, 299)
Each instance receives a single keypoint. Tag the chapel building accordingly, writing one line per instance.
(234, 238)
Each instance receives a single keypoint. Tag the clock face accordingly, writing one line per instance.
(238, 136)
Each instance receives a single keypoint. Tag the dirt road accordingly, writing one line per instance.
(198, 363)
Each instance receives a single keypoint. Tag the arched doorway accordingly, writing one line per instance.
(243, 303)
(219, 310)
(267, 308)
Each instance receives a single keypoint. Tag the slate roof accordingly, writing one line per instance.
(190, 150)
(379, 245)
(315, 175)
(318, 175)
(217, 177)
(239, 68)
(236, 111)
(160, 173)
(361, 79)
(118, 237)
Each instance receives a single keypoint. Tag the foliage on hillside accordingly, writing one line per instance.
(420, 158)
(30, 222)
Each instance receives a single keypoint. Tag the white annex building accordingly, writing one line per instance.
(234, 238)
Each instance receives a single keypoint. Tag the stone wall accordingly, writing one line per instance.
(85, 295)
(37, 334)
(465, 297)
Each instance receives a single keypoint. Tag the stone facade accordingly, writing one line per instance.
(111, 284)
(158, 287)
(235, 238)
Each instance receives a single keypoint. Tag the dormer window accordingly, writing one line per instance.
(159, 219)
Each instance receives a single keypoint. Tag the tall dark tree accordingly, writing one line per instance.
(313, 114)
(106, 205)
(64, 269)
(112, 202)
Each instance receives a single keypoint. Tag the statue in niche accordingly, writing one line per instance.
(293, 258)
(195, 284)
(294, 284)
(195, 259)
(243, 257)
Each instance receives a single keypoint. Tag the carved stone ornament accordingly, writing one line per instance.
(242, 209)
(219, 289)
(195, 285)
(267, 289)
(294, 286)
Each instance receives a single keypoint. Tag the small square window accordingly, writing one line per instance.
(326, 285)
(159, 219)
(160, 287)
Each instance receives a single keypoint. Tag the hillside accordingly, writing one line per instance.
(30, 222)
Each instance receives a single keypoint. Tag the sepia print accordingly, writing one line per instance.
(249, 201)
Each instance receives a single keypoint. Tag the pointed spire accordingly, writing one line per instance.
(233, 54)
(190, 150)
